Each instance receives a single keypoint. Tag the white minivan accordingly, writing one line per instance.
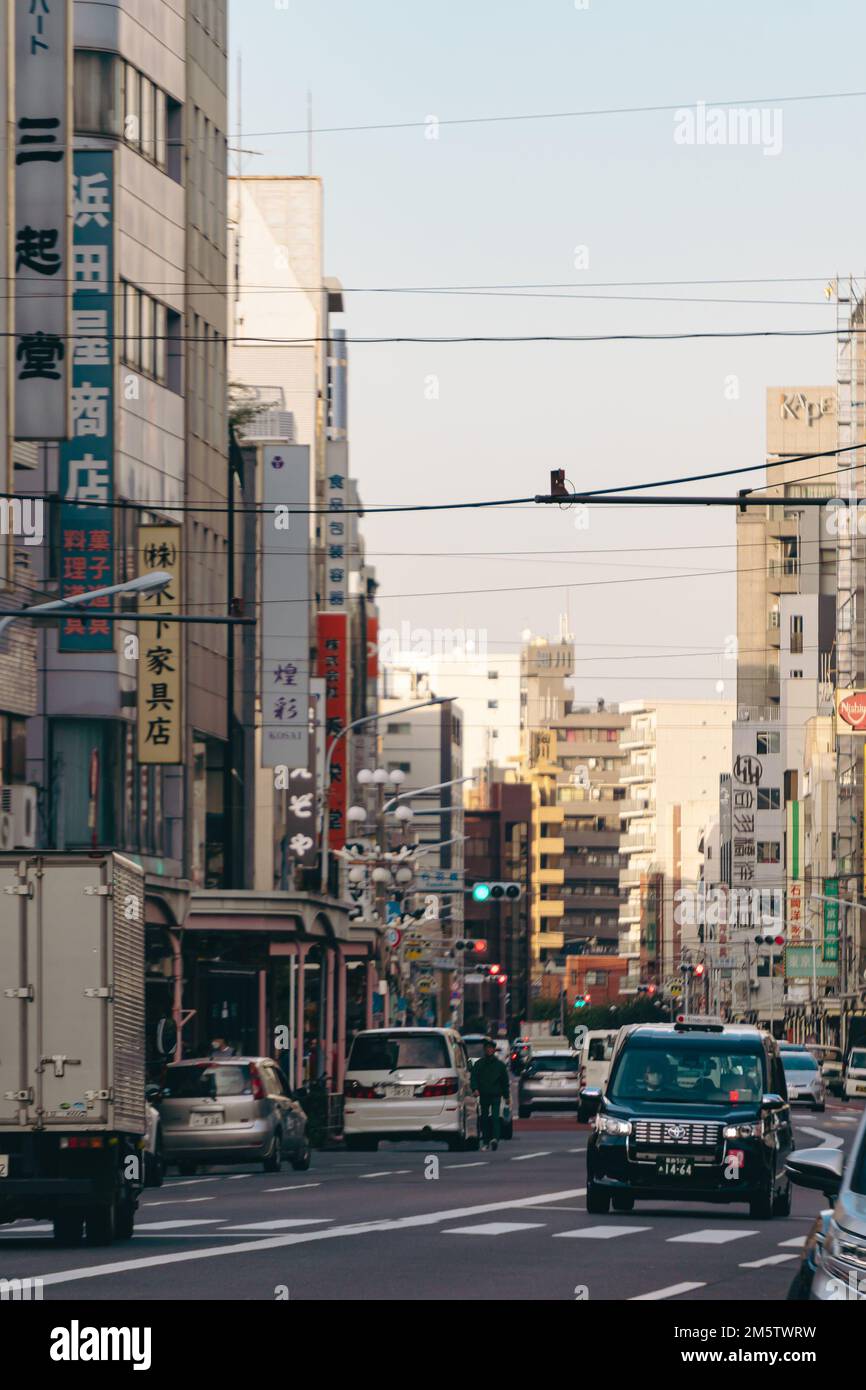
(409, 1083)
(595, 1057)
(855, 1074)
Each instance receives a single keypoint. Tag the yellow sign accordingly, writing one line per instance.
(160, 664)
(414, 953)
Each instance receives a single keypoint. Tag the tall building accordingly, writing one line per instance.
(676, 751)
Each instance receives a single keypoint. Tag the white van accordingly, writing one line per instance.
(409, 1083)
(595, 1058)
(855, 1074)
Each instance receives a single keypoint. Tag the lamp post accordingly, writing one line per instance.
(151, 583)
(356, 724)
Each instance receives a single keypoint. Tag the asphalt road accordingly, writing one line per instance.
(416, 1222)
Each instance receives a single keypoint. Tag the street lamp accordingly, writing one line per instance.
(356, 724)
(151, 583)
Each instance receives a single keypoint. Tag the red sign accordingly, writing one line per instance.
(851, 710)
(372, 649)
(333, 665)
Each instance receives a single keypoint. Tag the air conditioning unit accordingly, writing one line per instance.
(270, 424)
(17, 817)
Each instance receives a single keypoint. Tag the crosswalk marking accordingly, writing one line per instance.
(600, 1232)
(768, 1260)
(797, 1242)
(493, 1228)
(281, 1223)
(710, 1235)
(672, 1291)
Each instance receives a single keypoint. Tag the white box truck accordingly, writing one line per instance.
(72, 1042)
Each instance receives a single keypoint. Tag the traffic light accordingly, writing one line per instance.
(492, 972)
(769, 940)
(471, 944)
(581, 1001)
(699, 969)
(495, 892)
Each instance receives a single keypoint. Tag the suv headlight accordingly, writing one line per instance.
(745, 1131)
(607, 1124)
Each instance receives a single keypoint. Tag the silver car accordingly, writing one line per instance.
(231, 1110)
(551, 1081)
(803, 1079)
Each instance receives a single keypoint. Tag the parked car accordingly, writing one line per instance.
(830, 1061)
(409, 1083)
(839, 1255)
(231, 1110)
(803, 1078)
(550, 1081)
(520, 1054)
(694, 1111)
(595, 1057)
(855, 1074)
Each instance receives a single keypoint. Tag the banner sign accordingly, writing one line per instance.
(337, 542)
(831, 920)
(160, 665)
(285, 611)
(86, 552)
(851, 712)
(795, 860)
(43, 181)
(333, 665)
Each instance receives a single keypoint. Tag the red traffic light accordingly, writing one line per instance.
(699, 970)
(495, 969)
(480, 946)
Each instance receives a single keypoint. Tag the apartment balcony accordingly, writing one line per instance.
(549, 844)
(634, 738)
(549, 815)
(640, 844)
(636, 775)
(549, 907)
(556, 877)
(631, 877)
(549, 940)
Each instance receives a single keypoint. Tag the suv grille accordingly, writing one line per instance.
(676, 1134)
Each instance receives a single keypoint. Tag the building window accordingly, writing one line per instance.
(13, 749)
(400, 767)
(767, 743)
(398, 728)
(769, 799)
(796, 632)
(795, 675)
(769, 852)
(112, 98)
(493, 675)
(493, 704)
(150, 330)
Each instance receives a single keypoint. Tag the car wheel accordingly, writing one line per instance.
(125, 1219)
(101, 1224)
(274, 1161)
(524, 1111)
(68, 1227)
(762, 1205)
(782, 1203)
(622, 1203)
(597, 1200)
(188, 1170)
(301, 1161)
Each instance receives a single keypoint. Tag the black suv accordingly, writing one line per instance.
(694, 1110)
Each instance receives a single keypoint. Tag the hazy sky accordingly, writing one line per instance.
(507, 204)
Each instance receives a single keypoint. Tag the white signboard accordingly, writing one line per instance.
(285, 614)
(42, 222)
(7, 265)
(338, 545)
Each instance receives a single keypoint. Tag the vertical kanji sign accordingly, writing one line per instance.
(285, 613)
(160, 654)
(333, 665)
(86, 552)
(7, 271)
(338, 540)
(41, 230)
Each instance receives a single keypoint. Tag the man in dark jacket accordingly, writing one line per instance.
(491, 1084)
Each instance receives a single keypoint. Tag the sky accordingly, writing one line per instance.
(588, 204)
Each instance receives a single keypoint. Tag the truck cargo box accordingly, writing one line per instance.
(71, 992)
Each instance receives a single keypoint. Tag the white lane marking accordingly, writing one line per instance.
(386, 1173)
(577, 1151)
(672, 1291)
(831, 1141)
(711, 1235)
(481, 1163)
(247, 1247)
(796, 1243)
(767, 1260)
(521, 1158)
(173, 1225)
(494, 1228)
(282, 1222)
(188, 1182)
(583, 1209)
(239, 1177)
(176, 1202)
(600, 1232)
(293, 1187)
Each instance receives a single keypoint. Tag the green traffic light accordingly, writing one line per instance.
(481, 892)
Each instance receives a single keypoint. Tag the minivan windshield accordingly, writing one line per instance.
(682, 1076)
(799, 1061)
(858, 1058)
(392, 1051)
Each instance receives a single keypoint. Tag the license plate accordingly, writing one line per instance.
(199, 1121)
(675, 1166)
(401, 1092)
(4, 1165)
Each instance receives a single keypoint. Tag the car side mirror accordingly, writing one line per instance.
(590, 1099)
(153, 1094)
(771, 1100)
(819, 1169)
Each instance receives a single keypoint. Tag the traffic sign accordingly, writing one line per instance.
(414, 953)
(441, 879)
(426, 984)
(393, 935)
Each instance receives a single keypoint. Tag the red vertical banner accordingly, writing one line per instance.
(333, 667)
(372, 649)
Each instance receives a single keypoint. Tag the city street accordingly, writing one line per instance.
(509, 1224)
